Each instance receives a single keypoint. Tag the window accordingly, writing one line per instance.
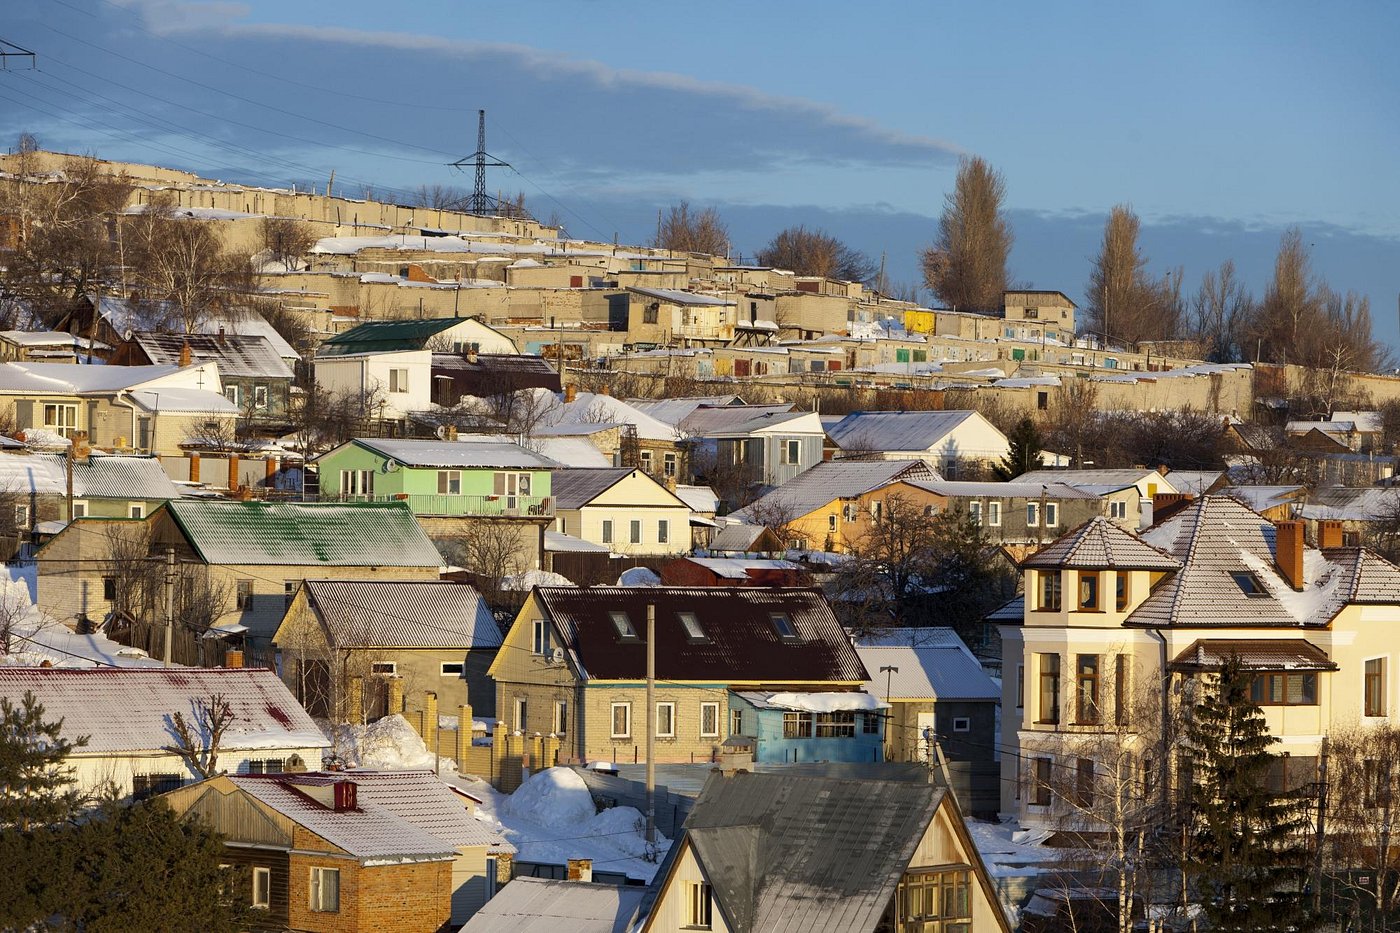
(289, 591)
(267, 765)
(452, 668)
(1088, 591)
(646, 461)
(962, 724)
(994, 514)
(561, 717)
(607, 531)
(663, 531)
(1020, 686)
(510, 485)
(736, 722)
(1049, 688)
(1042, 401)
(666, 720)
(651, 312)
(262, 887)
(668, 464)
(1248, 583)
(79, 509)
(61, 419)
(1084, 782)
(243, 600)
(325, 890)
(974, 510)
(783, 624)
(539, 641)
(449, 482)
(137, 509)
(1376, 786)
(109, 588)
(1050, 590)
(1120, 591)
(21, 516)
(691, 624)
(871, 724)
(697, 905)
(621, 720)
(398, 380)
(1052, 514)
(1280, 689)
(622, 624)
(1121, 711)
(797, 725)
(792, 452)
(1087, 689)
(934, 902)
(709, 720)
(831, 522)
(231, 393)
(148, 785)
(357, 482)
(1032, 514)
(838, 725)
(259, 396)
(1040, 782)
(1375, 687)
(522, 713)
(386, 668)
(1118, 510)
(635, 531)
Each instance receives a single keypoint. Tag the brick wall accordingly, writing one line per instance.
(410, 898)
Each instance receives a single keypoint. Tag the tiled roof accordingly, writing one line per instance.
(834, 479)
(480, 451)
(1013, 611)
(741, 642)
(431, 804)
(896, 430)
(128, 709)
(300, 534)
(537, 905)
(403, 614)
(1099, 544)
(1269, 654)
(236, 355)
(1364, 576)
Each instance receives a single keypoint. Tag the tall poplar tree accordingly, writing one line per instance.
(966, 266)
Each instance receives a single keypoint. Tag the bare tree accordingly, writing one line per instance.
(448, 197)
(136, 580)
(198, 737)
(816, 252)
(286, 240)
(1363, 806)
(1124, 301)
(685, 232)
(966, 266)
(182, 261)
(1221, 312)
(488, 549)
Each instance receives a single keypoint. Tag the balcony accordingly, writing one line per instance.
(500, 506)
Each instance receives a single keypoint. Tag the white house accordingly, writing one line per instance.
(958, 444)
(394, 383)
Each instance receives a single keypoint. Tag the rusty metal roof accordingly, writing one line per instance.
(1098, 544)
(403, 614)
(742, 641)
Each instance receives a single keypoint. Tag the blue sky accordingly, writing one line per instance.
(1220, 123)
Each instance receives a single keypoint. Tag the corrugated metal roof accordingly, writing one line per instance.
(896, 430)
(537, 905)
(71, 379)
(926, 671)
(403, 614)
(576, 487)
(237, 355)
(1269, 654)
(736, 537)
(1011, 490)
(1344, 503)
(99, 476)
(300, 534)
(384, 336)
(790, 854)
(1115, 478)
(742, 642)
(1099, 544)
(128, 709)
(558, 541)
(180, 398)
(479, 452)
(1260, 498)
(593, 408)
(833, 479)
(707, 420)
(681, 298)
(674, 410)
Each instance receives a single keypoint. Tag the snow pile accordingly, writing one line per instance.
(623, 827)
(40, 438)
(533, 578)
(639, 576)
(554, 797)
(827, 702)
(390, 744)
(1010, 851)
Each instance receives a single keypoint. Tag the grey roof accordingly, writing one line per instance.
(730, 418)
(1351, 503)
(1099, 544)
(674, 410)
(681, 298)
(97, 477)
(1196, 482)
(476, 453)
(736, 537)
(74, 379)
(538, 905)
(237, 355)
(896, 430)
(558, 541)
(926, 672)
(1012, 490)
(368, 534)
(576, 487)
(1260, 498)
(834, 479)
(426, 801)
(790, 854)
(124, 710)
(1114, 478)
(403, 614)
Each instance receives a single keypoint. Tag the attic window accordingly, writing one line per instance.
(692, 626)
(622, 624)
(783, 624)
(1248, 583)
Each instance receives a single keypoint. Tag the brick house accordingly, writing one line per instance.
(574, 664)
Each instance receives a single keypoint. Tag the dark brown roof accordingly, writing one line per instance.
(1098, 544)
(1267, 654)
(741, 643)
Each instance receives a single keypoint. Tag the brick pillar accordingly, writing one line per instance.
(395, 695)
(269, 469)
(498, 754)
(430, 722)
(505, 864)
(194, 468)
(464, 735)
(355, 701)
(233, 471)
(512, 766)
(551, 750)
(233, 658)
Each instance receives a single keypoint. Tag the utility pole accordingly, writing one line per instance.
(651, 726)
(9, 50)
(169, 601)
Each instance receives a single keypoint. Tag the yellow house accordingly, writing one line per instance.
(623, 509)
(824, 855)
(1113, 619)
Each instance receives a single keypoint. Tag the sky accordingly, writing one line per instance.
(1221, 124)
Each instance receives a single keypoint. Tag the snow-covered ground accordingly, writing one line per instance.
(35, 638)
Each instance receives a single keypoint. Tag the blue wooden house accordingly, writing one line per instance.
(788, 727)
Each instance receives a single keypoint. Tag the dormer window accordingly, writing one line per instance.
(622, 624)
(783, 624)
(1248, 583)
(692, 627)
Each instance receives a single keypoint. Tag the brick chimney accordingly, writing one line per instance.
(1288, 552)
(221, 337)
(233, 658)
(185, 354)
(580, 869)
(233, 471)
(471, 353)
(1329, 534)
(346, 793)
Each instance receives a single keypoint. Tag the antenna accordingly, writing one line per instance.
(480, 202)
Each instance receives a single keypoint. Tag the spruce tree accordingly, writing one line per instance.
(35, 782)
(1023, 454)
(1246, 851)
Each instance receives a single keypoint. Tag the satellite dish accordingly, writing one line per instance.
(441, 432)
(391, 466)
(557, 656)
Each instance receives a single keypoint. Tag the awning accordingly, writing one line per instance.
(1260, 654)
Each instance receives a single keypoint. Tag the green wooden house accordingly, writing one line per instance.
(480, 477)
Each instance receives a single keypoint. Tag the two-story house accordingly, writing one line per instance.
(665, 317)
(771, 447)
(1128, 492)
(253, 375)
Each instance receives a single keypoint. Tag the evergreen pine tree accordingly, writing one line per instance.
(35, 783)
(1023, 454)
(1246, 850)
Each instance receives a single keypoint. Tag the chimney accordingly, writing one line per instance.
(1329, 534)
(233, 658)
(269, 469)
(345, 796)
(233, 471)
(1162, 469)
(1288, 552)
(580, 869)
(80, 448)
(605, 390)
(471, 353)
(570, 393)
(184, 354)
(194, 467)
(221, 337)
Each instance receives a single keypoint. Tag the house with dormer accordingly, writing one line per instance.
(1111, 618)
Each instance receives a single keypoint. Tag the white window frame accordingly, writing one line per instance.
(316, 891)
(80, 508)
(459, 672)
(265, 901)
(962, 724)
(61, 418)
(634, 531)
(357, 482)
(1117, 509)
(22, 516)
(521, 709)
(449, 482)
(607, 531)
(699, 906)
(994, 513)
(137, 509)
(1052, 514)
(398, 379)
(561, 717)
(231, 393)
(626, 708)
(792, 452)
(539, 637)
(645, 458)
(668, 464)
(974, 511)
(1385, 687)
(259, 396)
(670, 720)
(1032, 514)
(711, 708)
(736, 722)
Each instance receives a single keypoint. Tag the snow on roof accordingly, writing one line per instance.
(73, 379)
(129, 710)
(480, 451)
(237, 355)
(429, 803)
(681, 298)
(1344, 503)
(403, 614)
(179, 398)
(813, 702)
(48, 338)
(833, 479)
(594, 408)
(98, 476)
(537, 905)
(1009, 490)
(1099, 544)
(1112, 478)
(674, 410)
(897, 430)
(558, 541)
(1369, 422)
(926, 671)
(698, 498)
(737, 568)
(251, 324)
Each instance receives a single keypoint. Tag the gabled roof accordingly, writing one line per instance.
(897, 430)
(741, 538)
(300, 534)
(128, 710)
(75, 379)
(815, 854)
(480, 452)
(741, 641)
(938, 667)
(1364, 576)
(538, 905)
(429, 803)
(1112, 478)
(575, 487)
(387, 336)
(1099, 544)
(681, 298)
(1260, 498)
(1344, 503)
(726, 418)
(402, 614)
(835, 479)
(595, 408)
(675, 410)
(1013, 490)
(237, 356)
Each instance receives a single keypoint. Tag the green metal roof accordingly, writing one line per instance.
(387, 336)
(299, 534)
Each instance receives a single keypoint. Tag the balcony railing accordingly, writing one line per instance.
(506, 506)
